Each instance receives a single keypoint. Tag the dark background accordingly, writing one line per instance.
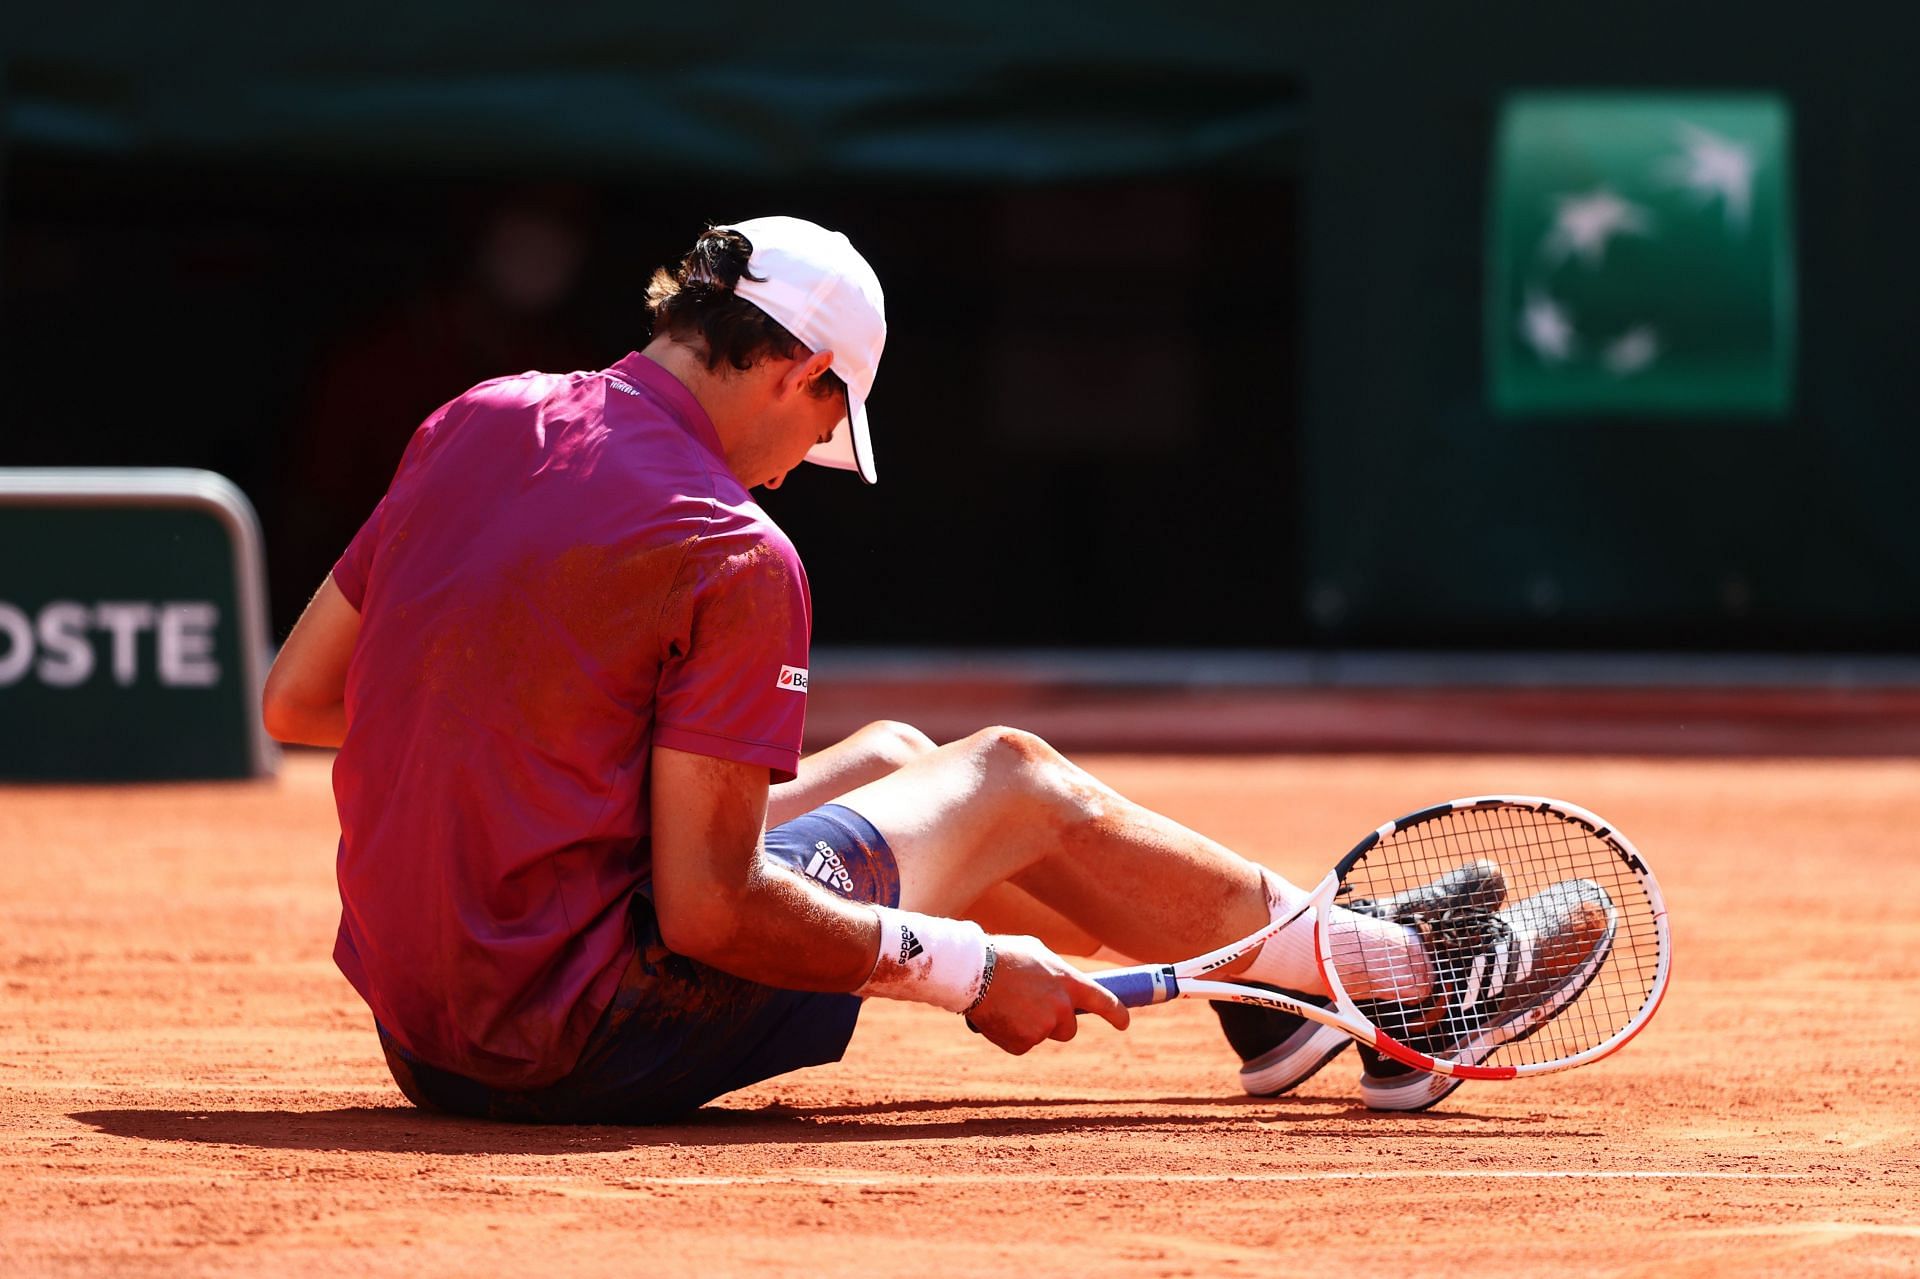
(1067, 370)
(1185, 347)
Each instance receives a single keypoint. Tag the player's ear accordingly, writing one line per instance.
(814, 367)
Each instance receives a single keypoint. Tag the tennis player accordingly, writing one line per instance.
(585, 874)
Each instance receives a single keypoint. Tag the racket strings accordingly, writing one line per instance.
(1573, 934)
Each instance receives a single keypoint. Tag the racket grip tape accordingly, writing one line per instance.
(1138, 987)
(1134, 987)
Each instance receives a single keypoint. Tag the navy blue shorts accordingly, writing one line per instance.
(678, 1033)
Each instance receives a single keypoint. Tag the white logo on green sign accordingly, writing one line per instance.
(1641, 256)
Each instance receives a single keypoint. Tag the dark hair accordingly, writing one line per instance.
(693, 302)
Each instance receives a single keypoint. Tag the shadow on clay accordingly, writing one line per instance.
(404, 1130)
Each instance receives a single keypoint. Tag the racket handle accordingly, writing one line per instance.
(1138, 987)
(1134, 987)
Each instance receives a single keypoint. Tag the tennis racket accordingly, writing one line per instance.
(1544, 935)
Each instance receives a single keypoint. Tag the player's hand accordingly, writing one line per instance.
(1037, 995)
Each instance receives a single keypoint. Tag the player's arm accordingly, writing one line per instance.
(305, 697)
(720, 902)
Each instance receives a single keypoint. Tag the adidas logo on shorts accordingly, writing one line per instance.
(827, 867)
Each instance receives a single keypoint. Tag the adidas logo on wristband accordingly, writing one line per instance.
(927, 959)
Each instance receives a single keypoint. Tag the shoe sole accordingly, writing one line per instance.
(1287, 1066)
(1422, 1089)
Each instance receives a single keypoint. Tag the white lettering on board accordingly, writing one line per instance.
(61, 644)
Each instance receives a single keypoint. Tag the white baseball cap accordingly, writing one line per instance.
(822, 291)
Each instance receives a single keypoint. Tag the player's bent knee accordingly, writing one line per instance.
(1011, 748)
(1023, 759)
(894, 742)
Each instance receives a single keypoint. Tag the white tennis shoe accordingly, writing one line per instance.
(1497, 979)
(1279, 1051)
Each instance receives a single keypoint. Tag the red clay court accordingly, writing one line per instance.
(188, 1087)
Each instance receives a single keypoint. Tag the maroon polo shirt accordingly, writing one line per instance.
(562, 576)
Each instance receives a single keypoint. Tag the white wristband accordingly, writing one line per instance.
(928, 959)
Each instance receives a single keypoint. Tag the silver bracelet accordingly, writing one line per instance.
(986, 977)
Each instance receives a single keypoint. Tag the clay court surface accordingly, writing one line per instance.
(187, 1085)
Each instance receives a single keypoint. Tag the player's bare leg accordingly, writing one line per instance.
(1002, 807)
(879, 749)
(1008, 908)
(863, 756)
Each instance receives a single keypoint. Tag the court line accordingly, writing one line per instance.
(599, 1190)
(1213, 1178)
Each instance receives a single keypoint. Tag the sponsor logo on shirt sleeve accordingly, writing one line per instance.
(793, 679)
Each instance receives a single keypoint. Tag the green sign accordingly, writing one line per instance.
(132, 635)
(1640, 259)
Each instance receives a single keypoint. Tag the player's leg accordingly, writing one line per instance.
(1008, 908)
(884, 747)
(1003, 807)
(861, 757)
